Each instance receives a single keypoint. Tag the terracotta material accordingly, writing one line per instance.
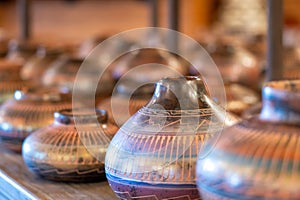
(257, 158)
(72, 148)
(29, 111)
(153, 155)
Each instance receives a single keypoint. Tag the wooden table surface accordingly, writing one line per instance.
(16, 182)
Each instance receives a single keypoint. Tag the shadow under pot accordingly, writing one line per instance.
(154, 154)
(29, 111)
(72, 148)
(257, 158)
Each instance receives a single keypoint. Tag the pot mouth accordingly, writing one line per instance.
(81, 116)
(180, 93)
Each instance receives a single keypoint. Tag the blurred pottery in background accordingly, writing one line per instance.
(86, 47)
(160, 60)
(239, 98)
(29, 111)
(21, 51)
(236, 63)
(63, 72)
(126, 101)
(72, 148)
(10, 79)
(257, 158)
(153, 155)
(37, 64)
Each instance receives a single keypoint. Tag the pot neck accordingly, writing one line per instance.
(81, 116)
(183, 93)
(281, 102)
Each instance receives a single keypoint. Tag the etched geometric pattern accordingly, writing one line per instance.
(260, 154)
(24, 117)
(63, 150)
(176, 113)
(158, 158)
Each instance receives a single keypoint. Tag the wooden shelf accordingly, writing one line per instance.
(17, 182)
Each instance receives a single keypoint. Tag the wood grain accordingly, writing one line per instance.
(16, 182)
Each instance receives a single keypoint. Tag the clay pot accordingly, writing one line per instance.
(69, 151)
(257, 158)
(153, 155)
(29, 111)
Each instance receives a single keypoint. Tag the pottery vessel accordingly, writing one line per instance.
(153, 155)
(72, 148)
(29, 111)
(257, 158)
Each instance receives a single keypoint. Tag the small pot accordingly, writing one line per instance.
(72, 148)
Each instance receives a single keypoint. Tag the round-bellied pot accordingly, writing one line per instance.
(72, 148)
(154, 154)
(257, 158)
(29, 111)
